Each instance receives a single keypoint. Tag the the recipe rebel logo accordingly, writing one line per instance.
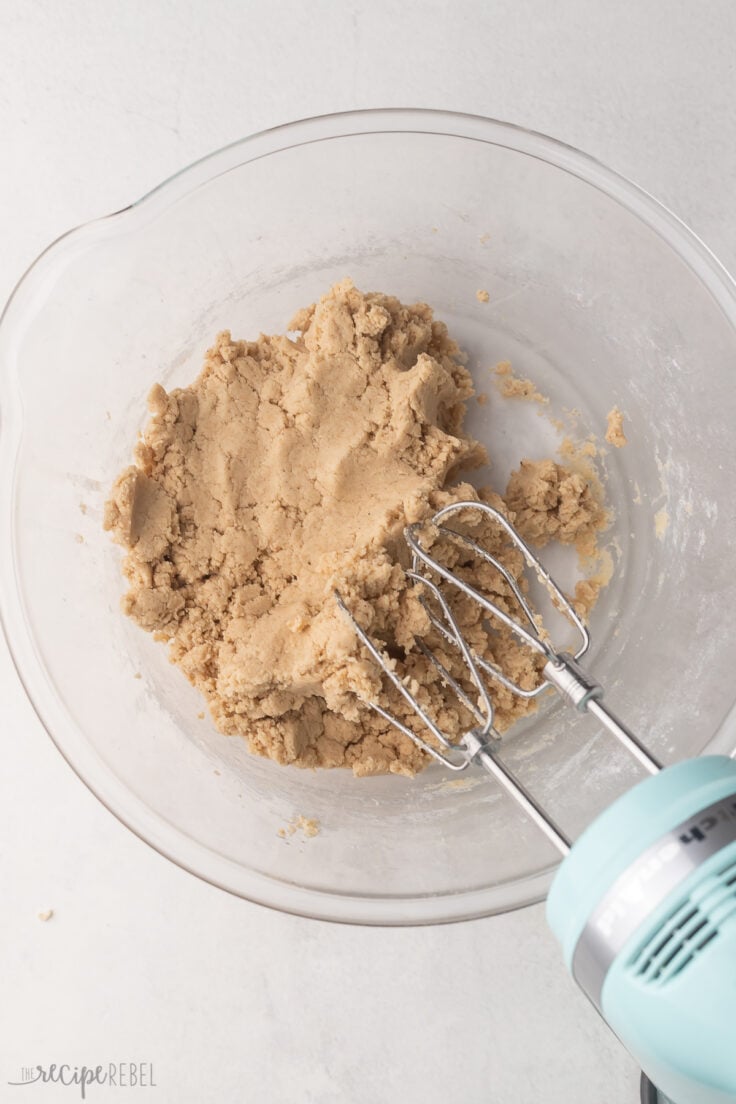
(117, 1075)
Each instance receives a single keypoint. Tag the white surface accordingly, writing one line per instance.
(98, 102)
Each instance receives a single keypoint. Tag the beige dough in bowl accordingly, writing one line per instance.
(289, 469)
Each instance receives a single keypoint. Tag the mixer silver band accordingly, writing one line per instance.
(644, 886)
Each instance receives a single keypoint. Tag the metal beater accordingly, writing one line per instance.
(644, 904)
(561, 670)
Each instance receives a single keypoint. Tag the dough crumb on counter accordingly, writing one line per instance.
(46, 914)
(482, 295)
(615, 429)
(288, 470)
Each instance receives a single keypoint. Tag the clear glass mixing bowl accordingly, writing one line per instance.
(596, 292)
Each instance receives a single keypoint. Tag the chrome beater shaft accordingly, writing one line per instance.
(562, 671)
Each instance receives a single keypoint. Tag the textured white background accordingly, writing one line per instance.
(98, 102)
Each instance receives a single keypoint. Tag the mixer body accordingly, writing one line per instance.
(644, 903)
(645, 909)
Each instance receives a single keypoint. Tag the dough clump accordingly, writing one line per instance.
(289, 469)
(615, 429)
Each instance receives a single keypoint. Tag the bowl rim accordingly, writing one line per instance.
(149, 826)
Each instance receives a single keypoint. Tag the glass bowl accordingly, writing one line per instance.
(596, 292)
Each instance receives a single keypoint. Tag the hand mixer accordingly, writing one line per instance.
(644, 903)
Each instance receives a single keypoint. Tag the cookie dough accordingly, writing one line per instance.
(288, 469)
(514, 387)
(551, 502)
(615, 428)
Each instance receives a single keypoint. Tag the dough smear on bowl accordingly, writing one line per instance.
(289, 468)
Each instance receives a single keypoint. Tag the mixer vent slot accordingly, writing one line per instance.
(689, 928)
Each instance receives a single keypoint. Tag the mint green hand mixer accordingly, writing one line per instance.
(644, 903)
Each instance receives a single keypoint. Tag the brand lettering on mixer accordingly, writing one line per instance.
(633, 889)
(698, 832)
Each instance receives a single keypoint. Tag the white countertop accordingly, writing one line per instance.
(141, 962)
